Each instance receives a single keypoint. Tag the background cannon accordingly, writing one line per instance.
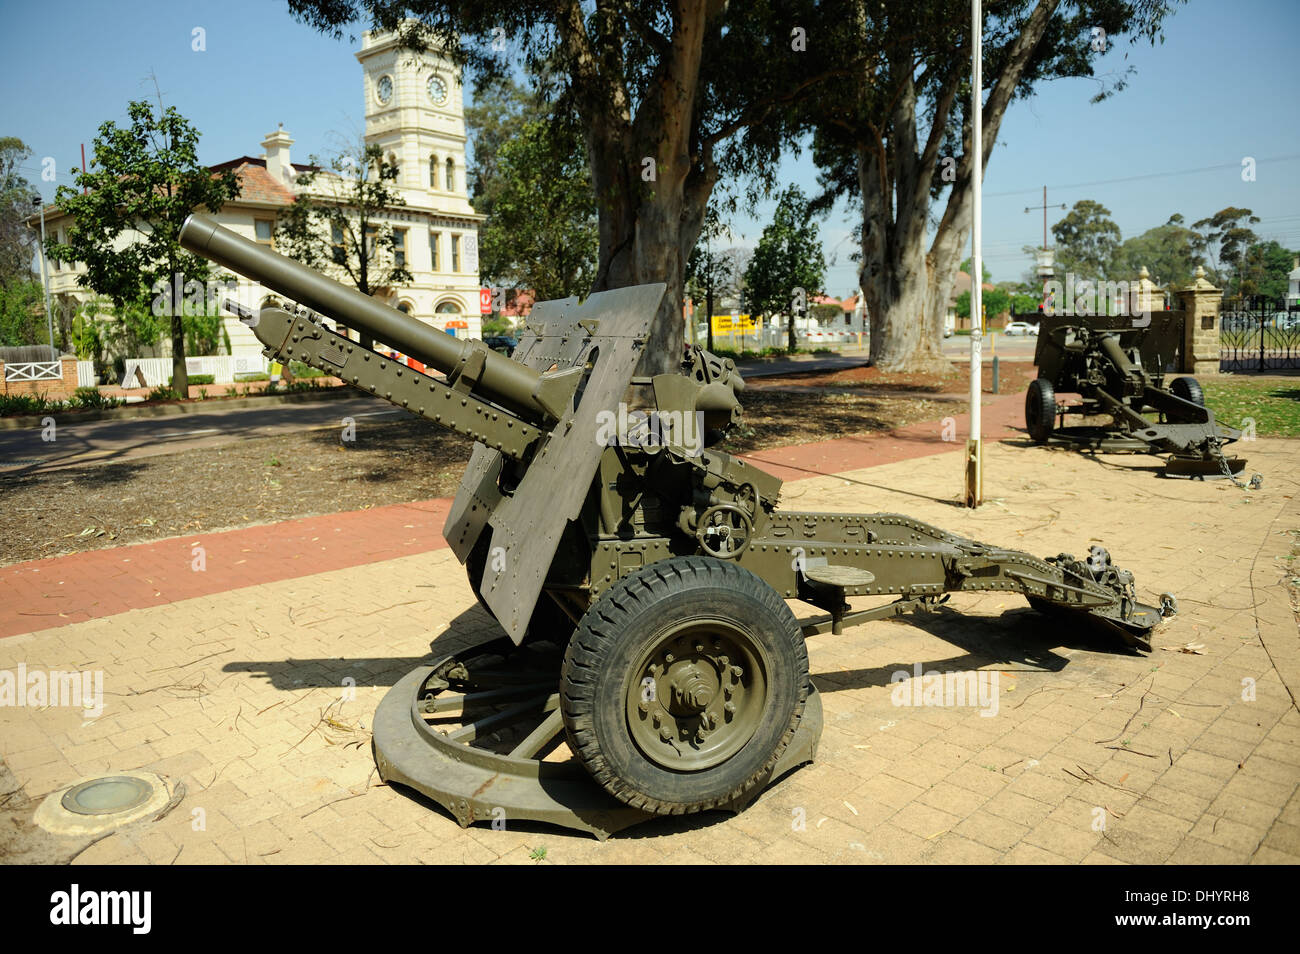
(641, 576)
(1117, 366)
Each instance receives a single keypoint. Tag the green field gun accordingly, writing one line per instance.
(1117, 367)
(642, 577)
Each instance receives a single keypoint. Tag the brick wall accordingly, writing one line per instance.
(55, 390)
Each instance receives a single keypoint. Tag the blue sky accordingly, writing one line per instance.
(1223, 86)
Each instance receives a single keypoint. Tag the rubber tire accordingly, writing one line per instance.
(616, 630)
(1040, 409)
(548, 620)
(1189, 389)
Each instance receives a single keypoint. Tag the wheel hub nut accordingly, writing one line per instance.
(691, 691)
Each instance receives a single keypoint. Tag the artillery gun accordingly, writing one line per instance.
(1118, 367)
(640, 575)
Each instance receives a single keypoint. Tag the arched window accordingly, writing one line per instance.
(433, 172)
(404, 307)
(448, 308)
(451, 175)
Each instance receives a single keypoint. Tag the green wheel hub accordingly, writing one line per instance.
(696, 695)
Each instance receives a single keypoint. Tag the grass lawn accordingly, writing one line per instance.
(1273, 405)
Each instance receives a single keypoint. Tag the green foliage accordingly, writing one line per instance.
(1224, 238)
(501, 109)
(788, 259)
(92, 399)
(22, 313)
(1169, 252)
(1020, 304)
(17, 240)
(337, 222)
(996, 301)
(1086, 241)
(496, 327)
(1264, 270)
(300, 370)
(165, 393)
(147, 179)
(203, 379)
(20, 404)
(541, 230)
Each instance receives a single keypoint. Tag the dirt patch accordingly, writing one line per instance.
(262, 480)
(266, 480)
(1012, 376)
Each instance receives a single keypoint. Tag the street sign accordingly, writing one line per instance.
(736, 324)
(485, 301)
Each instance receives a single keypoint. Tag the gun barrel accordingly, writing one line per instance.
(507, 382)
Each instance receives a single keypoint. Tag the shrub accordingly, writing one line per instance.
(253, 376)
(300, 370)
(13, 404)
(164, 394)
(87, 398)
(203, 379)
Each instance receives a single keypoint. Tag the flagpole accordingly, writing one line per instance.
(974, 446)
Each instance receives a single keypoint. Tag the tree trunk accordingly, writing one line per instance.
(180, 376)
(652, 182)
(906, 288)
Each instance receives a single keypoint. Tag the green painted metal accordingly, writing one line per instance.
(584, 474)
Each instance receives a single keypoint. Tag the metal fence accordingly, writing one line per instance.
(1258, 334)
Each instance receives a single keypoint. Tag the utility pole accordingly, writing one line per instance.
(1044, 207)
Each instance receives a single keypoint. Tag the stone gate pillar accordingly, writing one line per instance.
(1200, 303)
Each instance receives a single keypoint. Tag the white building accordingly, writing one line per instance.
(415, 113)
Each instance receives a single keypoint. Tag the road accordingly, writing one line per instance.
(77, 442)
(86, 442)
(1014, 348)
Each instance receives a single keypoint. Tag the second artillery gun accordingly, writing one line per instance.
(640, 574)
(1117, 366)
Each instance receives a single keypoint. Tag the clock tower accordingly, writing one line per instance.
(415, 114)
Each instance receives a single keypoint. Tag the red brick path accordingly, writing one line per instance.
(44, 594)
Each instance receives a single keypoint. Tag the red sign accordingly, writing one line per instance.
(485, 301)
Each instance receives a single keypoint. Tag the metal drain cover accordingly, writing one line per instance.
(107, 796)
(92, 806)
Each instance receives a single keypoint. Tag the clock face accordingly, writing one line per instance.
(384, 89)
(437, 89)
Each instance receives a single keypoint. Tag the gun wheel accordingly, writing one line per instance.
(683, 685)
(1040, 409)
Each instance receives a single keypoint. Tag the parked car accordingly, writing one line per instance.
(1020, 328)
(503, 343)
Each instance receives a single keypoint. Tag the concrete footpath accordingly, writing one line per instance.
(253, 679)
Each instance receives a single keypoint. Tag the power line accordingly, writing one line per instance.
(1149, 175)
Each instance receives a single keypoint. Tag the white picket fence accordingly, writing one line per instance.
(85, 374)
(223, 368)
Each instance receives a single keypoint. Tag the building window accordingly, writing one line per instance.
(339, 244)
(264, 231)
(455, 253)
(399, 247)
(435, 240)
(372, 234)
(404, 307)
(451, 176)
(433, 172)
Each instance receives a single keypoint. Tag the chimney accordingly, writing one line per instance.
(277, 155)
